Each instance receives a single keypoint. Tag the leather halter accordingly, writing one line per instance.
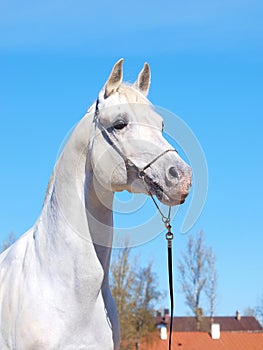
(140, 171)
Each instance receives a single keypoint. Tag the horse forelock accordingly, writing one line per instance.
(132, 94)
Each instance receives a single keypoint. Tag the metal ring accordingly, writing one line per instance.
(166, 220)
(141, 174)
(169, 236)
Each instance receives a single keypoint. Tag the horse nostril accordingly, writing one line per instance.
(173, 172)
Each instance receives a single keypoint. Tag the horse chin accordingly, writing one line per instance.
(163, 194)
(171, 201)
(151, 187)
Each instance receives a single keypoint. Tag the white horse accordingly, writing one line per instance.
(54, 288)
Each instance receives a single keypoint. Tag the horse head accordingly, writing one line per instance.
(128, 151)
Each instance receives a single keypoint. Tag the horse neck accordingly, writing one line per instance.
(98, 204)
(74, 222)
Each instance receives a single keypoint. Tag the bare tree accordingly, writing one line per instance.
(135, 291)
(211, 281)
(145, 296)
(259, 310)
(198, 276)
(122, 280)
(249, 311)
(7, 242)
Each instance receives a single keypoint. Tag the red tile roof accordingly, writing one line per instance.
(189, 324)
(203, 341)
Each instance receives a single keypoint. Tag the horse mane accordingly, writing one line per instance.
(49, 185)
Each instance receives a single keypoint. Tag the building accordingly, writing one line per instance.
(235, 323)
(220, 333)
(204, 341)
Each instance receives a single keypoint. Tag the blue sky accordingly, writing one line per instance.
(206, 61)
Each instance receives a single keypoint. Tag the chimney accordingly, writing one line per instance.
(166, 315)
(238, 315)
(163, 333)
(166, 312)
(215, 331)
(158, 313)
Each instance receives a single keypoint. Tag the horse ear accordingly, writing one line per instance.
(115, 79)
(144, 79)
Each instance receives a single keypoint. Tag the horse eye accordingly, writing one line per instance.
(120, 124)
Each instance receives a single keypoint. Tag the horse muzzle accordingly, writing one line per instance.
(175, 187)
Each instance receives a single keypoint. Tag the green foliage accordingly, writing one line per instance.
(135, 291)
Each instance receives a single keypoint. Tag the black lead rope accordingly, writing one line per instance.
(169, 237)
